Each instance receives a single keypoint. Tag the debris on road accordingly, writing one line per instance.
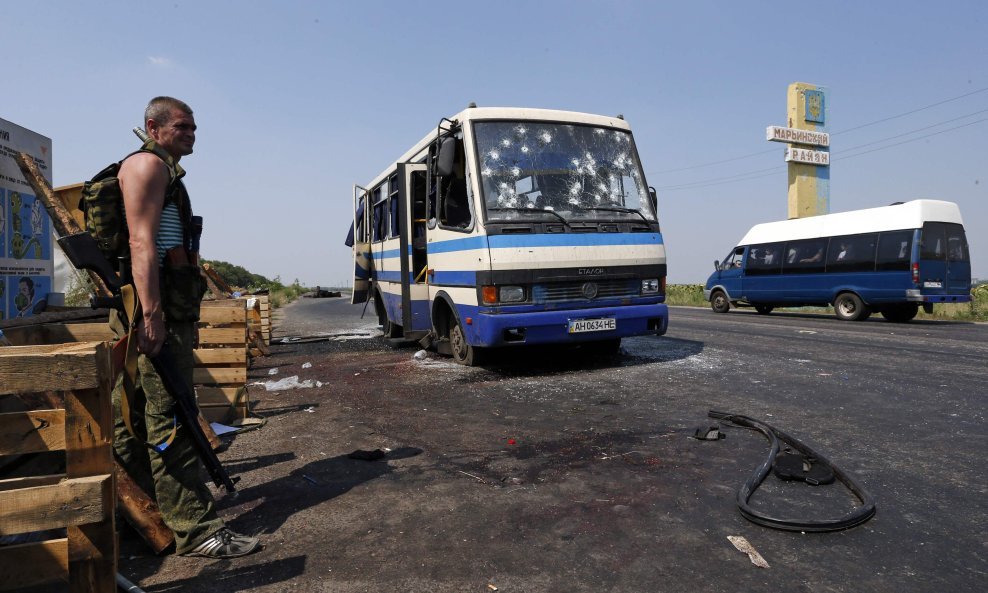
(744, 546)
(288, 383)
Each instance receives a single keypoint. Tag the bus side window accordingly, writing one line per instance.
(894, 250)
(395, 230)
(379, 222)
(454, 197)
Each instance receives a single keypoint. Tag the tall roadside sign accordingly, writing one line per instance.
(807, 150)
(26, 267)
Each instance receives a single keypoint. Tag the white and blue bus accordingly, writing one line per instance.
(508, 226)
(889, 260)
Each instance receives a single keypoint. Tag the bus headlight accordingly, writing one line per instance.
(650, 286)
(511, 294)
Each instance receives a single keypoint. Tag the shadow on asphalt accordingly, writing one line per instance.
(526, 361)
(312, 484)
(247, 576)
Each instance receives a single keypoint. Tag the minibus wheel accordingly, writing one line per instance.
(719, 302)
(900, 313)
(849, 307)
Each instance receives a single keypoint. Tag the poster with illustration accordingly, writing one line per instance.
(27, 295)
(26, 245)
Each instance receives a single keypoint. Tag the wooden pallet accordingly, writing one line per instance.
(220, 375)
(77, 420)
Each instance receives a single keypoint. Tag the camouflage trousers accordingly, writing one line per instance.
(173, 475)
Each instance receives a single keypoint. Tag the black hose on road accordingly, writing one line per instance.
(865, 511)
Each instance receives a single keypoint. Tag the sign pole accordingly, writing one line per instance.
(809, 184)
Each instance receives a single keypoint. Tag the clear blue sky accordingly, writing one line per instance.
(297, 101)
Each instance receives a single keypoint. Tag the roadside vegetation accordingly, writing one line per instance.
(239, 278)
(691, 295)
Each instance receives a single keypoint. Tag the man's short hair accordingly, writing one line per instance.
(160, 109)
(28, 281)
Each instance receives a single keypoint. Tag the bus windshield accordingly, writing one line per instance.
(577, 172)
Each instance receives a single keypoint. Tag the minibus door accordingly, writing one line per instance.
(933, 259)
(359, 240)
(729, 273)
(958, 260)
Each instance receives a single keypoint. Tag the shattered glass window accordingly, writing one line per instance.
(578, 172)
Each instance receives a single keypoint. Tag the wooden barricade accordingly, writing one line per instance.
(221, 360)
(264, 315)
(77, 420)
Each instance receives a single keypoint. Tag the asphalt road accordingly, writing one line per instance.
(552, 471)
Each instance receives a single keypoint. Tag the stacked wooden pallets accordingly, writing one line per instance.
(221, 361)
(57, 399)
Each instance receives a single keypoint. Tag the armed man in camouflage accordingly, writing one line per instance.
(165, 274)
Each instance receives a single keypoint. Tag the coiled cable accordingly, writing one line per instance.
(865, 511)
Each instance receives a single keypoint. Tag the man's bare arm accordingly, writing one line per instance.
(143, 182)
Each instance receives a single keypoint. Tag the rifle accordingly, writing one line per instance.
(83, 252)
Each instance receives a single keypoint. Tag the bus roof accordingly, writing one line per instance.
(506, 113)
(906, 215)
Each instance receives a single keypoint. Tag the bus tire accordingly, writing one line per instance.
(764, 309)
(388, 328)
(902, 313)
(849, 307)
(719, 302)
(463, 353)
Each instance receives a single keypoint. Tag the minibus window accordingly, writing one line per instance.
(852, 253)
(764, 259)
(934, 245)
(957, 249)
(805, 257)
(894, 250)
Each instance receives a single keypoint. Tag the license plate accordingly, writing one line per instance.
(579, 326)
(933, 285)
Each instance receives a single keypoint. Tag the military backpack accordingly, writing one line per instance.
(102, 204)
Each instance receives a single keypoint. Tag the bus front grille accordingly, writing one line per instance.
(563, 292)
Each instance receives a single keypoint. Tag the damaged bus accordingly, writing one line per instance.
(508, 226)
(890, 260)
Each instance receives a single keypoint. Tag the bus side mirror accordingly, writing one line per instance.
(655, 200)
(716, 264)
(444, 161)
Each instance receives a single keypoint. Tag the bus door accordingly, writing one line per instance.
(362, 261)
(413, 219)
(944, 260)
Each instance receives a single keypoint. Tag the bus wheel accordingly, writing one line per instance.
(390, 329)
(900, 313)
(849, 307)
(719, 302)
(463, 353)
(764, 309)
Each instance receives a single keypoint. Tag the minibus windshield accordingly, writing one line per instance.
(578, 172)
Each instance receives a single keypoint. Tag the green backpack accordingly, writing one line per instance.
(102, 204)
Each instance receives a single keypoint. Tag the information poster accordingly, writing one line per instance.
(26, 267)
